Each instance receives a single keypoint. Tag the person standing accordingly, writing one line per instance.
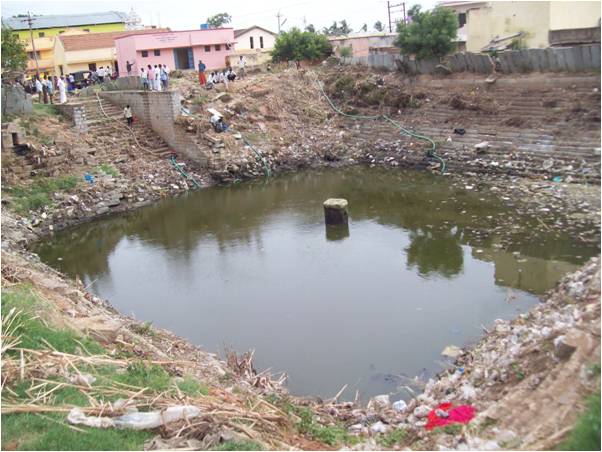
(157, 78)
(100, 74)
(144, 78)
(127, 114)
(164, 77)
(39, 89)
(62, 92)
(202, 68)
(45, 89)
(50, 87)
(71, 82)
(241, 66)
(151, 77)
(128, 67)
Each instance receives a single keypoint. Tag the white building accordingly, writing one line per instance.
(254, 38)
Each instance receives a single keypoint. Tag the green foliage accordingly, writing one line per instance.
(338, 29)
(200, 100)
(586, 433)
(142, 375)
(300, 45)
(364, 28)
(192, 387)
(39, 193)
(393, 437)
(219, 20)
(517, 44)
(45, 110)
(429, 34)
(378, 26)
(51, 432)
(145, 328)
(331, 435)
(310, 28)
(236, 445)
(34, 333)
(14, 57)
(108, 169)
(346, 51)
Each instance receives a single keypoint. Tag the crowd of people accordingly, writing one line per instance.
(155, 78)
(225, 76)
(47, 88)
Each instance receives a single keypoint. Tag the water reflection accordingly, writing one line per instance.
(435, 251)
(337, 232)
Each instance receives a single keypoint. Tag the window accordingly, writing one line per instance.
(261, 42)
(461, 19)
(207, 48)
(218, 47)
(144, 53)
(92, 67)
(157, 52)
(251, 42)
(41, 34)
(31, 56)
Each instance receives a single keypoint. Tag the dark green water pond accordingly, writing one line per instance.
(425, 263)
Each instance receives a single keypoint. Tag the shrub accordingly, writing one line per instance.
(300, 45)
(429, 34)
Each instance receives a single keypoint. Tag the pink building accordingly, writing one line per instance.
(177, 49)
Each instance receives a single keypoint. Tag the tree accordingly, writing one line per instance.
(310, 28)
(429, 33)
(378, 26)
(14, 57)
(337, 29)
(364, 28)
(300, 45)
(219, 19)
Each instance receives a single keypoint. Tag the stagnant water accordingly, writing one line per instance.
(252, 266)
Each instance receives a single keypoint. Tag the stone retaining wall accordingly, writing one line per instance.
(15, 101)
(581, 58)
(159, 109)
(77, 113)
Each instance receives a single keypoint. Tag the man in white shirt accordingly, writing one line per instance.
(144, 77)
(157, 78)
(241, 66)
(39, 89)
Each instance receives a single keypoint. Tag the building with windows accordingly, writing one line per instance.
(89, 51)
(46, 28)
(362, 44)
(177, 49)
(254, 38)
(502, 24)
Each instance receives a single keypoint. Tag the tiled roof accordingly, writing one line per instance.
(69, 20)
(89, 41)
(241, 31)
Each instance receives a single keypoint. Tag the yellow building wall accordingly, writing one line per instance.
(564, 15)
(49, 32)
(45, 45)
(505, 18)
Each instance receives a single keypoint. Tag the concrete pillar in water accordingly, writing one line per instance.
(335, 211)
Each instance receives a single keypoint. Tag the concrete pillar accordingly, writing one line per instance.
(335, 211)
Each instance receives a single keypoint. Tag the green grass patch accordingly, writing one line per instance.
(45, 110)
(586, 433)
(192, 387)
(200, 100)
(392, 438)
(238, 445)
(144, 328)
(50, 432)
(108, 169)
(34, 332)
(142, 375)
(39, 193)
(331, 435)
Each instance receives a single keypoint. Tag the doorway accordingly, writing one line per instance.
(183, 58)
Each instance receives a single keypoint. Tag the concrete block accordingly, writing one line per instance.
(578, 57)
(560, 59)
(552, 60)
(505, 62)
(595, 52)
(569, 55)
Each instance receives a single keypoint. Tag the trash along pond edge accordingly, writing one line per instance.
(507, 350)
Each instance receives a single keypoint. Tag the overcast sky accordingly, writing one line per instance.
(185, 15)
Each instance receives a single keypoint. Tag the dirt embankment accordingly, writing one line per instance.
(525, 363)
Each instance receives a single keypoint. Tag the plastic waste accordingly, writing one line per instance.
(89, 178)
(135, 420)
(400, 406)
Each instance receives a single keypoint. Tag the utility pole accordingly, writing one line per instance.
(278, 16)
(392, 8)
(29, 21)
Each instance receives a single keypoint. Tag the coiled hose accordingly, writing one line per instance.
(430, 153)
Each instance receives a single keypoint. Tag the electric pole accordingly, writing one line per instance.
(29, 21)
(392, 8)
(280, 24)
